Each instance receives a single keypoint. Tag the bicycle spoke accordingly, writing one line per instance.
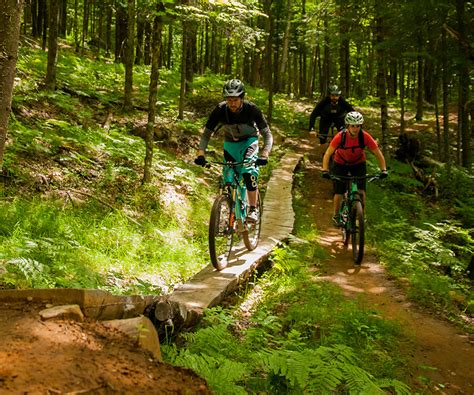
(220, 232)
(252, 233)
(357, 220)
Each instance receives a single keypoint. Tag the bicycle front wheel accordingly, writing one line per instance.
(345, 225)
(357, 232)
(221, 232)
(252, 233)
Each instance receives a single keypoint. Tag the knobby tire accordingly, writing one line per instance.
(252, 233)
(357, 234)
(220, 232)
(346, 232)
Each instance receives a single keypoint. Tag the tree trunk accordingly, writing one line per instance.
(445, 89)
(464, 83)
(129, 46)
(419, 96)
(326, 75)
(182, 89)
(152, 95)
(402, 97)
(139, 52)
(108, 31)
(381, 82)
(44, 13)
(285, 49)
(62, 30)
(121, 29)
(85, 24)
(10, 17)
(268, 57)
(50, 80)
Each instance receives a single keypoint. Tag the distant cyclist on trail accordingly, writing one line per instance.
(332, 110)
(348, 147)
(242, 122)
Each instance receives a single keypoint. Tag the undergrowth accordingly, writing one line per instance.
(74, 212)
(424, 243)
(293, 335)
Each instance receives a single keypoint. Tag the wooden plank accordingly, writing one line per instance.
(207, 288)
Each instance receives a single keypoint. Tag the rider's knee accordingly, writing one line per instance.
(251, 181)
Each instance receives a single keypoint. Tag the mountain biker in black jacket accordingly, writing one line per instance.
(241, 122)
(332, 110)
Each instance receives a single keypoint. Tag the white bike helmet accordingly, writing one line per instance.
(354, 118)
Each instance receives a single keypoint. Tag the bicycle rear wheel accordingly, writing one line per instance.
(221, 232)
(357, 233)
(252, 233)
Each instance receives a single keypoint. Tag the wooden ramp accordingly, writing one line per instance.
(185, 305)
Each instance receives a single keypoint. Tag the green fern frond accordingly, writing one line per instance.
(222, 375)
(393, 385)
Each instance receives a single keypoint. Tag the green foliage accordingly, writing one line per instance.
(325, 370)
(279, 346)
(416, 242)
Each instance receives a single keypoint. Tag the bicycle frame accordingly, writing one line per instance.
(352, 215)
(229, 213)
(233, 185)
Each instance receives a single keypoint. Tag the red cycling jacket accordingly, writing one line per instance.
(351, 153)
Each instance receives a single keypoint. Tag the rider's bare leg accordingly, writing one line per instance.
(337, 200)
(362, 195)
(252, 196)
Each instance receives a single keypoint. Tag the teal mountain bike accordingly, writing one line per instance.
(351, 215)
(228, 220)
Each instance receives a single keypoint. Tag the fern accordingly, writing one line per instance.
(221, 374)
(325, 370)
(35, 273)
(394, 386)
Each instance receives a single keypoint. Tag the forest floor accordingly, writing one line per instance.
(67, 357)
(440, 355)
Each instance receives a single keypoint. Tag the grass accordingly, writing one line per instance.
(278, 340)
(74, 212)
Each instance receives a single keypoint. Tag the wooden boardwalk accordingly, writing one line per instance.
(208, 287)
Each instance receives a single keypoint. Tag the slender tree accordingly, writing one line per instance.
(10, 17)
(381, 73)
(153, 90)
(129, 49)
(464, 88)
(50, 80)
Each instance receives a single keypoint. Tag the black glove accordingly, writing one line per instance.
(200, 160)
(261, 161)
(326, 175)
(383, 174)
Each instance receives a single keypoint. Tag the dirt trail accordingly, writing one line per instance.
(435, 343)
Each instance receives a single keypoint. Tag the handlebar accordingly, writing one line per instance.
(230, 164)
(369, 177)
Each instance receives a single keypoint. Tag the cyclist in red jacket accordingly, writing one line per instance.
(348, 148)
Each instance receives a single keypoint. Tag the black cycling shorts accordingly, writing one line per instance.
(360, 169)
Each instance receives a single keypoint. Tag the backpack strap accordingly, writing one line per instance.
(360, 136)
(361, 143)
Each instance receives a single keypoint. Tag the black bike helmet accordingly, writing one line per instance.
(233, 88)
(334, 90)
